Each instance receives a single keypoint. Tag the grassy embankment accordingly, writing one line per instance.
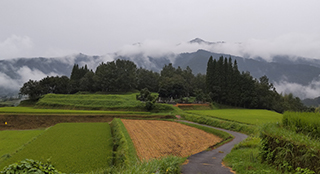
(245, 157)
(124, 102)
(71, 147)
(290, 146)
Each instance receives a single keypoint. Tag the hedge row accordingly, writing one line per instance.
(229, 125)
(288, 150)
(124, 150)
(306, 123)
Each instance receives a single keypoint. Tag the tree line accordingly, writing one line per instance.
(223, 83)
(226, 85)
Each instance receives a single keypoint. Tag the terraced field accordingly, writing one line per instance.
(154, 139)
(71, 147)
(30, 110)
(91, 101)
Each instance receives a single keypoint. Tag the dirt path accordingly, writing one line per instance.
(211, 161)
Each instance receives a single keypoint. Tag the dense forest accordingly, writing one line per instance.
(223, 84)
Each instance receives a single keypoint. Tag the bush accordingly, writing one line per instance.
(30, 166)
(288, 150)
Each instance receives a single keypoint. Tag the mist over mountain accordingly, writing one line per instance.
(289, 74)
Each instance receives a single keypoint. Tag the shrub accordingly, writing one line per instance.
(30, 166)
(288, 150)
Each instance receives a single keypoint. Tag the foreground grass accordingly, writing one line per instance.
(30, 110)
(248, 116)
(167, 165)
(244, 158)
(13, 140)
(71, 147)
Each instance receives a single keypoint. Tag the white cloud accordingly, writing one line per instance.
(292, 44)
(312, 90)
(26, 74)
(8, 83)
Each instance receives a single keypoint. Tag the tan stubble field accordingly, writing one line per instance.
(154, 138)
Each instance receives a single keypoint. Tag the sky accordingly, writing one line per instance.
(52, 28)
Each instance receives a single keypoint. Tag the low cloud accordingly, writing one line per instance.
(24, 75)
(312, 90)
(7, 82)
(292, 44)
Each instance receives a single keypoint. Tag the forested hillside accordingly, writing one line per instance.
(223, 84)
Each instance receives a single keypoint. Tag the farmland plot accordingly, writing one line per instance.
(15, 139)
(154, 139)
(71, 147)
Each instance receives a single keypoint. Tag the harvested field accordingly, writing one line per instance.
(22, 122)
(154, 139)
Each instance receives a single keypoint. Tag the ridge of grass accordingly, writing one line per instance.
(226, 137)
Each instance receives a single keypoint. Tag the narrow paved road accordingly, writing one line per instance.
(209, 162)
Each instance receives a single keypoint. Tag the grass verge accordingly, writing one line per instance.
(166, 165)
(245, 159)
(124, 150)
(226, 137)
(229, 125)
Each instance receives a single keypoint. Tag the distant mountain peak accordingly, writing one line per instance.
(197, 40)
(201, 41)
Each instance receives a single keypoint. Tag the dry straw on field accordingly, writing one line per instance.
(154, 139)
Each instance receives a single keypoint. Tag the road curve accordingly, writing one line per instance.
(210, 162)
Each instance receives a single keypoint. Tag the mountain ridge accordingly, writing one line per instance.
(301, 71)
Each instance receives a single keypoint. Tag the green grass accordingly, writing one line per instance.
(91, 101)
(246, 161)
(306, 123)
(226, 137)
(124, 151)
(166, 165)
(288, 150)
(30, 110)
(71, 147)
(13, 140)
(248, 116)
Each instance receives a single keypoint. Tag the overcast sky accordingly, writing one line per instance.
(96, 27)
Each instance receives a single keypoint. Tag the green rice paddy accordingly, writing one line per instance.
(71, 147)
(12, 140)
(249, 116)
